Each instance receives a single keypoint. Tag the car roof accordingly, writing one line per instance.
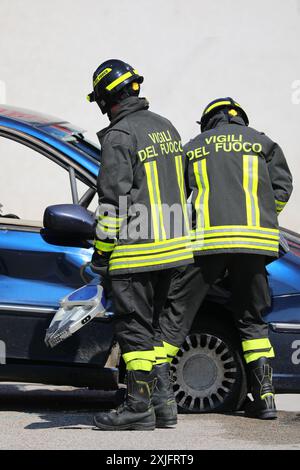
(57, 127)
(56, 132)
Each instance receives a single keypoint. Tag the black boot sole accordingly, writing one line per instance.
(126, 427)
(166, 423)
(267, 414)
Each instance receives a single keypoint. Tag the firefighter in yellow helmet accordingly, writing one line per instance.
(141, 175)
(240, 182)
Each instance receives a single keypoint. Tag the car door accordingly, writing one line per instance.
(33, 270)
(284, 317)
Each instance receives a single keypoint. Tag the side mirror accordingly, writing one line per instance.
(71, 220)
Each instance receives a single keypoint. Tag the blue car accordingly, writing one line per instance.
(39, 266)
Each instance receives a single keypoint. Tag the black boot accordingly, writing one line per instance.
(163, 398)
(137, 411)
(263, 406)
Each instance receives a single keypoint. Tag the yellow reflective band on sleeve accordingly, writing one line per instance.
(250, 185)
(155, 201)
(160, 355)
(104, 246)
(170, 350)
(139, 360)
(119, 80)
(254, 356)
(253, 344)
(101, 75)
(110, 223)
(202, 198)
(180, 179)
(279, 206)
(106, 227)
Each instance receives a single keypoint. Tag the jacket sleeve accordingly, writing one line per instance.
(114, 183)
(281, 178)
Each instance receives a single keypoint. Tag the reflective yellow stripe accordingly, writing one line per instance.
(140, 364)
(150, 262)
(233, 234)
(279, 206)
(250, 185)
(101, 75)
(119, 80)
(160, 243)
(159, 351)
(159, 201)
(246, 188)
(252, 344)
(254, 190)
(103, 246)
(160, 355)
(174, 248)
(110, 223)
(212, 241)
(206, 194)
(280, 203)
(238, 227)
(171, 351)
(180, 179)
(220, 103)
(152, 200)
(155, 200)
(256, 247)
(139, 360)
(106, 229)
(201, 202)
(150, 256)
(254, 356)
(265, 395)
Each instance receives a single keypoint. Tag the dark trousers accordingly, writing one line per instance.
(249, 295)
(138, 300)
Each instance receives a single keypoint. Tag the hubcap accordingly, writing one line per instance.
(204, 372)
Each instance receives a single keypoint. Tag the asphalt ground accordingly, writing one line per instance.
(44, 417)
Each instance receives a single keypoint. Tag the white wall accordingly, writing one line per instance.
(190, 52)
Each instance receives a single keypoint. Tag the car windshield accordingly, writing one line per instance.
(87, 147)
(73, 136)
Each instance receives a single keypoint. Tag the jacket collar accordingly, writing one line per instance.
(221, 119)
(128, 106)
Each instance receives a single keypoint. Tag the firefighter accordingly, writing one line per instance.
(141, 178)
(240, 182)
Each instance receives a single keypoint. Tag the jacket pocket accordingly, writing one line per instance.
(122, 292)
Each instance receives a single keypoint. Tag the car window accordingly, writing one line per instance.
(29, 182)
(82, 188)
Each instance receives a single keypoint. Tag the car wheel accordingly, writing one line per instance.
(208, 372)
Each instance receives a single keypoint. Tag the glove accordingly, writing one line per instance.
(99, 262)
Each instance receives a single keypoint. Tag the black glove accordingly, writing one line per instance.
(99, 262)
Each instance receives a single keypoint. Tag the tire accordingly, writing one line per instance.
(208, 371)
